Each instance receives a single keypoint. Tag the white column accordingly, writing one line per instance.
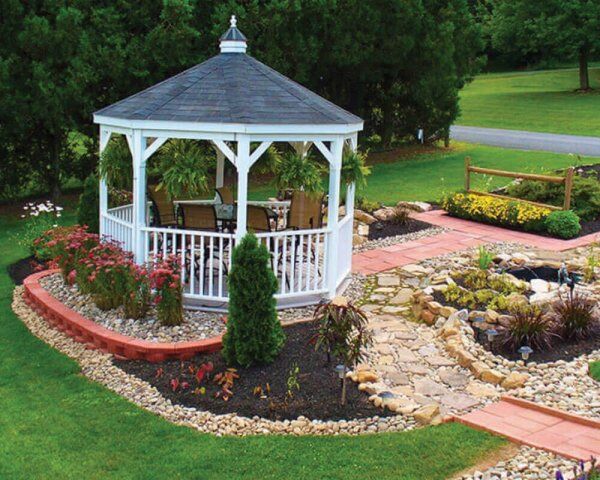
(335, 168)
(351, 189)
(139, 195)
(103, 187)
(220, 169)
(243, 167)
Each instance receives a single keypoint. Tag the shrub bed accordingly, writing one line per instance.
(512, 214)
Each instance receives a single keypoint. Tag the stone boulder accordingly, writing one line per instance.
(364, 217)
(415, 206)
(515, 380)
(384, 214)
(426, 414)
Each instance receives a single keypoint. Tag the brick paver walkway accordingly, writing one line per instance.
(540, 427)
(463, 234)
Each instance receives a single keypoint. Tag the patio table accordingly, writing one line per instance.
(226, 212)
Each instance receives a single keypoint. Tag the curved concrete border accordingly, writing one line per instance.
(96, 336)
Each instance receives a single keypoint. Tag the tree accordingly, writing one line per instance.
(552, 29)
(89, 205)
(254, 335)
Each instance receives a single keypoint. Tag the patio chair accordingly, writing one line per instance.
(163, 208)
(306, 211)
(201, 218)
(258, 219)
(225, 195)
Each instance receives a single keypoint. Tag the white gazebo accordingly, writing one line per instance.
(242, 107)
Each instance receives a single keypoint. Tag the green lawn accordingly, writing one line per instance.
(595, 370)
(54, 423)
(427, 176)
(543, 101)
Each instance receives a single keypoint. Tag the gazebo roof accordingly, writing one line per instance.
(231, 87)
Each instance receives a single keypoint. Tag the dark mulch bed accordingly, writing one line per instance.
(21, 269)
(318, 397)
(589, 171)
(561, 350)
(381, 229)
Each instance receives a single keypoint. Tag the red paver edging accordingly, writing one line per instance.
(96, 336)
(538, 426)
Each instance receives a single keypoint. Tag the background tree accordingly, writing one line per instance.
(550, 29)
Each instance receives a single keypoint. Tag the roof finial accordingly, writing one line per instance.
(233, 41)
(233, 22)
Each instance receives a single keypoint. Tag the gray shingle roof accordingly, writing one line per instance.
(230, 88)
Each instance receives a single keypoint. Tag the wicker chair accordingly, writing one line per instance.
(225, 195)
(306, 211)
(258, 219)
(202, 218)
(163, 208)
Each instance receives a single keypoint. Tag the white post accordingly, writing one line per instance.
(335, 169)
(351, 189)
(103, 187)
(139, 195)
(243, 167)
(220, 169)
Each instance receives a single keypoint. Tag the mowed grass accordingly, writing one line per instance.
(544, 101)
(54, 423)
(595, 370)
(428, 174)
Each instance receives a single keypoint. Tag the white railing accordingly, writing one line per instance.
(117, 225)
(205, 258)
(298, 258)
(344, 250)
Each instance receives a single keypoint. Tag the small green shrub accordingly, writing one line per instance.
(563, 224)
(595, 370)
(484, 296)
(366, 205)
(501, 284)
(460, 296)
(88, 208)
(499, 303)
(254, 335)
(476, 279)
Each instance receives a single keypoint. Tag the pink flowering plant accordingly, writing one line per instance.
(165, 280)
(137, 296)
(67, 246)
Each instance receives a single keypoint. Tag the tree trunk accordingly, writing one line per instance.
(447, 137)
(584, 76)
(344, 389)
(387, 129)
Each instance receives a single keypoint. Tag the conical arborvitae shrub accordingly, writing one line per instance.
(254, 335)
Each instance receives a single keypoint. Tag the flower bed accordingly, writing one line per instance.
(506, 314)
(513, 214)
(299, 383)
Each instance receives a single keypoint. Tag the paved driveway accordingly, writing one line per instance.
(522, 140)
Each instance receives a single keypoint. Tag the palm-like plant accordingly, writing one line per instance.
(116, 165)
(184, 168)
(355, 169)
(298, 172)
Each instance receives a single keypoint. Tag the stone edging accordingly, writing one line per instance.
(98, 366)
(96, 336)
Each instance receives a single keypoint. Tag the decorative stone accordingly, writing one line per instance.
(365, 376)
(415, 269)
(428, 317)
(364, 217)
(388, 280)
(429, 388)
(539, 286)
(427, 413)
(492, 376)
(515, 380)
(403, 296)
(481, 390)
(453, 379)
(458, 401)
(358, 240)
(415, 206)
(384, 213)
